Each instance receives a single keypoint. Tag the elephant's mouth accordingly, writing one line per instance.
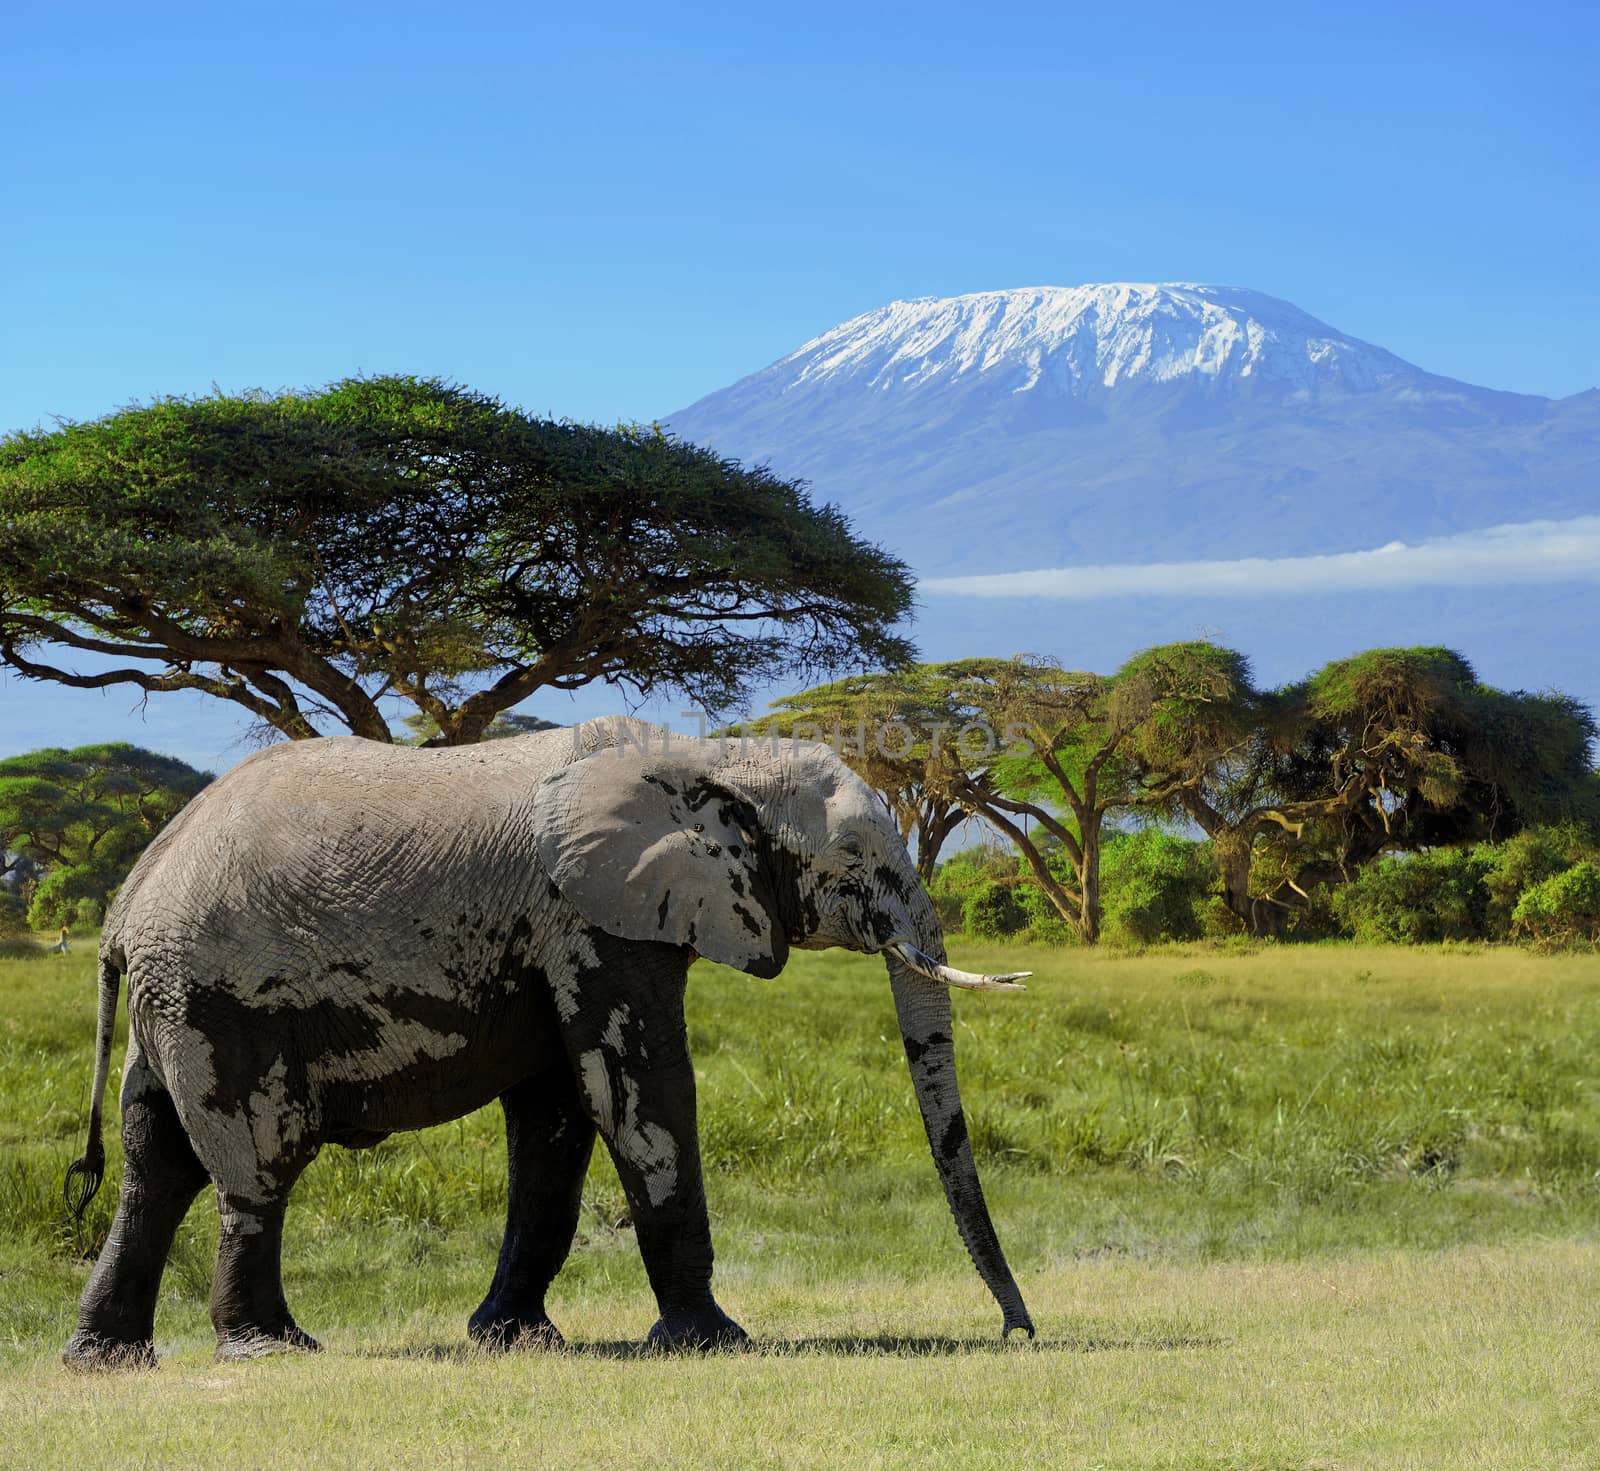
(931, 969)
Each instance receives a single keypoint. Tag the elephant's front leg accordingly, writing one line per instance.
(630, 1049)
(549, 1138)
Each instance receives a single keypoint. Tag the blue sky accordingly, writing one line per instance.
(607, 214)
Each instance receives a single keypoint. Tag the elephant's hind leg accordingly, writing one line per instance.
(248, 1308)
(549, 1138)
(161, 1176)
(255, 1139)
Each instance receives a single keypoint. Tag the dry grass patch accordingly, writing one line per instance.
(1472, 1357)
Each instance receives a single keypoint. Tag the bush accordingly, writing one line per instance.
(13, 916)
(990, 910)
(1562, 910)
(1523, 861)
(962, 874)
(1416, 899)
(55, 900)
(1153, 887)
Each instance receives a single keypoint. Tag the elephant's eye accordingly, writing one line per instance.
(849, 846)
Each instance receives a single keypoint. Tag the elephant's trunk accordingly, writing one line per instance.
(923, 1009)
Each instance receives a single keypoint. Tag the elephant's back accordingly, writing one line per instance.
(335, 836)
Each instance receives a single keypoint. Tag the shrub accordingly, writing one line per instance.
(963, 873)
(1044, 924)
(1154, 886)
(1562, 910)
(1416, 898)
(1521, 862)
(13, 916)
(990, 910)
(55, 900)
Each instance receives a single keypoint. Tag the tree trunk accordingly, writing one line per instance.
(1089, 883)
(1232, 857)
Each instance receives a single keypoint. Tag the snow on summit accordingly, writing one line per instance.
(1075, 337)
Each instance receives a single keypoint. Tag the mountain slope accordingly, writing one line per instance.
(1131, 423)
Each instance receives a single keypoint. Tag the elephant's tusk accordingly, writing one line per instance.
(928, 967)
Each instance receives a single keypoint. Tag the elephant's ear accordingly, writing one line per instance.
(649, 847)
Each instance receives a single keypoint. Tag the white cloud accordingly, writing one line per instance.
(1529, 551)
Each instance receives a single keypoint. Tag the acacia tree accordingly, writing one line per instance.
(1068, 750)
(85, 816)
(1390, 749)
(1098, 746)
(308, 554)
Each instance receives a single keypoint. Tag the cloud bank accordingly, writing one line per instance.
(1528, 551)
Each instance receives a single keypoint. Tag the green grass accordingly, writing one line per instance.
(1283, 1207)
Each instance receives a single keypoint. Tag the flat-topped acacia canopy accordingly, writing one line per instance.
(306, 554)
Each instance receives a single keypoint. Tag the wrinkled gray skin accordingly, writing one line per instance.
(340, 939)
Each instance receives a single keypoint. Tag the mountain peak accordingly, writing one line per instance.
(1080, 339)
(1135, 422)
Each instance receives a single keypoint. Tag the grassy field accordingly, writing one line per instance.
(1292, 1207)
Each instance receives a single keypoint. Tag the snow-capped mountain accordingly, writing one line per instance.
(1139, 423)
(1074, 427)
(1072, 338)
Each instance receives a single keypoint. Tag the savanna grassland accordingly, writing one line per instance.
(1289, 1207)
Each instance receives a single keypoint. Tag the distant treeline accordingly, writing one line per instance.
(1541, 887)
(1388, 796)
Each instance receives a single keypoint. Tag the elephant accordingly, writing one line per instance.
(340, 939)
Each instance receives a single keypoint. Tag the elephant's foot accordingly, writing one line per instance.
(237, 1344)
(502, 1332)
(91, 1353)
(697, 1331)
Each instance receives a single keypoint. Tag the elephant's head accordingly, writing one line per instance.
(740, 851)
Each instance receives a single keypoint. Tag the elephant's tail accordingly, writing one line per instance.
(84, 1175)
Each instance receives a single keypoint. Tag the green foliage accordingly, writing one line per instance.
(1430, 755)
(990, 910)
(302, 554)
(1391, 750)
(1066, 750)
(86, 815)
(1183, 707)
(1524, 860)
(1045, 923)
(1417, 898)
(1563, 909)
(962, 875)
(1159, 887)
(1156, 887)
(1528, 887)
